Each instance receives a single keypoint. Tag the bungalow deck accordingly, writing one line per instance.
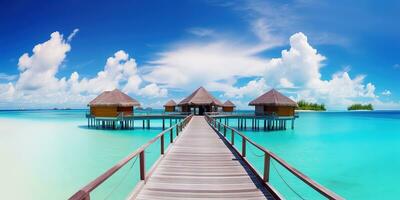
(256, 122)
(133, 121)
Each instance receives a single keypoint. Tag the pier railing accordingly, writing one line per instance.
(84, 193)
(268, 155)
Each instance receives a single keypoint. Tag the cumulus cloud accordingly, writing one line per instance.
(7, 91)
(152, 90)
(219, 66)
(118, 69)
(7, 77)
(38, 70)
(194, 64)
(236, 70)
(38, 84)
(386, 93)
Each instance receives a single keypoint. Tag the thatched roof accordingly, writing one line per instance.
(113, 98)
(228, 104)
(170, 103)
(200, 97)
(273, 98)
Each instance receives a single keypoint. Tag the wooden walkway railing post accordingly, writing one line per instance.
(162, 145)
(142, 166)
(171, 135)
(224, 131)
(233, 137)
(267, 163)
(243, 146)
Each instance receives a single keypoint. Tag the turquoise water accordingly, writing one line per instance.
(51, 154)
(355, 154)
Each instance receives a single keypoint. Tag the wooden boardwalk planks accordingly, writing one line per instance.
(201, 166)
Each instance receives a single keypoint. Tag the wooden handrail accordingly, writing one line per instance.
(267, 155)
(84, 193)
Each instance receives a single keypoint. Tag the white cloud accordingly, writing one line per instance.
(201, 32)
(7, 77)
(7, 91)
(37, 72)
(299, 66)
(218, 65)
(386, 93)
(72, 35)
(252, 89)
(152, 90)
(234, 69)
(193, 64)
(118, 69)
(263, 31)
(38, 84)
(387, 105)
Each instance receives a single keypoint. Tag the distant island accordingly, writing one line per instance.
(360, 107)
(303, 105)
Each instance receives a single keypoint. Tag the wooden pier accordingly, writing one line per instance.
(133, 121)
(201, 166)
(202, 162)
(256, 122)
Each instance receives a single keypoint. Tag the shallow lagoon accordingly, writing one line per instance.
(51, 154)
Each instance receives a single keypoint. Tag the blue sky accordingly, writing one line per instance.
(337, 53)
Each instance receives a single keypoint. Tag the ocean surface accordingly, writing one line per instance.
(50, 154)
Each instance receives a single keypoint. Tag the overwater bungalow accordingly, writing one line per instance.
(228, 106)
(274, 103)
(112, 104)
(115, 110)
(200, 101)
(170, 106)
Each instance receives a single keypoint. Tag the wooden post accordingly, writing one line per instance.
(163, 124)
(142, 166)
(233, 138)
(171, 135)
(225, 131)
(267, 159)
(177, 131)
(162, 144)
(143, 124)
(265, 124)
(243, 146)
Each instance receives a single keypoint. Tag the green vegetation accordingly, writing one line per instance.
(303, 105)
(360, 107)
